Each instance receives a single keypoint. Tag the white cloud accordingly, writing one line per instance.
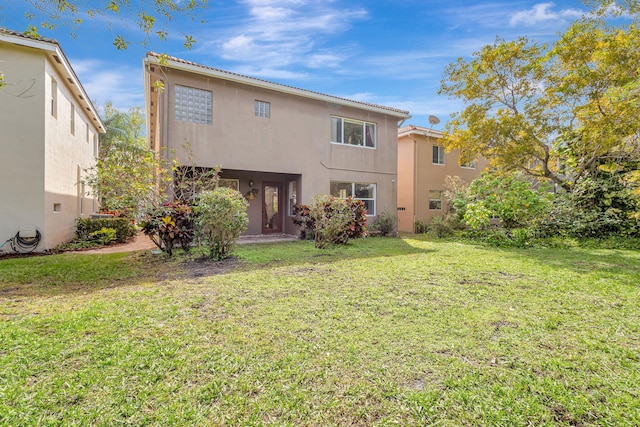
(543, 13)
(122, 86)
(285, 34)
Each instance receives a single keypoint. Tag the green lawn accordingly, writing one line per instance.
(381, 332)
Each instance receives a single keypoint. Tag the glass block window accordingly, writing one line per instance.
(262, 109)
(193, 105)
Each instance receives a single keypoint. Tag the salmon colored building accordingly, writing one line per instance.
(423, 166)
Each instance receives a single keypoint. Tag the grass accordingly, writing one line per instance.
(380, 332)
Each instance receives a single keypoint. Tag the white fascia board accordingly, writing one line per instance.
(53, 49)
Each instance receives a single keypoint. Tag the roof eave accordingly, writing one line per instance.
(53, 50)
(277, 87)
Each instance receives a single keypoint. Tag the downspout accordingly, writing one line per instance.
(415, 182)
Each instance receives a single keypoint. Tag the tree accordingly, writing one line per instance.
(147, 15)
(126, 174)
(555, 112)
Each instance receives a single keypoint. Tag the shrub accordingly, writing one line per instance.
(337, 220)
(385, 224)
(123, 227)
(420, 227)
(221, 217)
(441, 227)
(169, 224)
(302, 219)
(509, 198)
(104, 236)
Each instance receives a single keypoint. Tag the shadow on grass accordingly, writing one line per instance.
(83, 273)
(624, 263)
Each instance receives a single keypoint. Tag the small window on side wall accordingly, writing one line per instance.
(435, 200)
(262, 109)
(438, 155)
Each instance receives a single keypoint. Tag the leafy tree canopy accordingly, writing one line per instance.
(555, 112)
(148, 15)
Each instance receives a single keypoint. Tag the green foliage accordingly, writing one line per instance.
(444, 226)
(336, 220)
(420, 227)
(508, 198)
(151, 17)
(168, 225)
(127, 174)
(104, 236)
(551, 112)
(385, 224)
(124, 229)
(221, 217)
(600, 205)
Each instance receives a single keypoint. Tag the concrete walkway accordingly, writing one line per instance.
(142, 243)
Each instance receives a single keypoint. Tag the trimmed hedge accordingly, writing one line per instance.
(125, 230)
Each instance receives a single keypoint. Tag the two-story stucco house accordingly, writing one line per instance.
(276, 144)
(48, 137)
(423, 166)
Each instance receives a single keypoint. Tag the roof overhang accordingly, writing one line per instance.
(419, 130)
(56, 56)
(191, 67)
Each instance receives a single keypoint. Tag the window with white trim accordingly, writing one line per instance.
(356, 190)
(435, 200)
(193, 105)
(353, 132)
(293, 196)
(262, 109)
(438, 155)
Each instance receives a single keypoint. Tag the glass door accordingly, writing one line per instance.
(271, 212)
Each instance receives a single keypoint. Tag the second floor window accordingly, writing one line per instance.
(193, 105)
(438, 155)
(353, 132)
(262, 109)
(469, 165)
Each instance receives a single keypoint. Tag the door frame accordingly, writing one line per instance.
(279, 215)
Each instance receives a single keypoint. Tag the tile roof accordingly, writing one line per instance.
(310, 93)
(25, 36)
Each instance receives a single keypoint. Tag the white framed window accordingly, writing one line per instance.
(193, 105)
(353, 132)
(87, 133)
(230, 183)
(54, 97)
(262, 109)
(435, 200)
(293, 196)
(357, 190)
(438, 155)
(469, 165)
(73, 119)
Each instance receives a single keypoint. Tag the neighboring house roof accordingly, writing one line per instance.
(54, 52)
(193, 67)
(419, 130)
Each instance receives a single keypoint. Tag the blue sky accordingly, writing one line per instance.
(390, 53)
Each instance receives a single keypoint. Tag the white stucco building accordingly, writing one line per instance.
(48, 137)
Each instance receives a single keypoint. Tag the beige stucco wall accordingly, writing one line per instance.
(39, 156)
(418, 175)
(293, 142)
